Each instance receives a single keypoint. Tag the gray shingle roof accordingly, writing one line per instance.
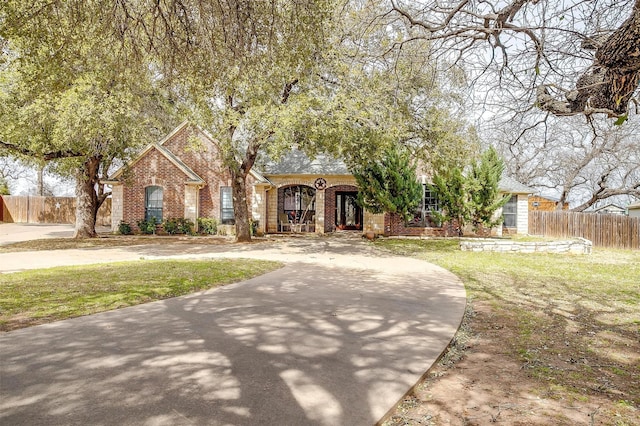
(297, 162)
(512, 186)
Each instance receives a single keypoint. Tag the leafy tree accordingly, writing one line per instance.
(70, 94)
(389, 185)
(4, 187)
(451, 187)
(303, 74)
(238, 65)
(484, 194)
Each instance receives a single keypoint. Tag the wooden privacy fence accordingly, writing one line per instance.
(34, 209)
(604, 230)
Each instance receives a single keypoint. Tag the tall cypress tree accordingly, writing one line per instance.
(451, 187)
(389, 185)
(485, 196)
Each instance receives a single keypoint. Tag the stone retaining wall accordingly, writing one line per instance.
(577, 246)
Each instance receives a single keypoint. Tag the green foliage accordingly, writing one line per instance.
(179, 225)
(485, 196)
(185, 226)
(148, 226)
(208, 225)
(389, 184)
(71, 92)
(124, 228)
(4, 187)
(451, 186)
(473, 198)
(170, 226)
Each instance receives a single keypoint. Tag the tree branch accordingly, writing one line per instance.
(47, 156)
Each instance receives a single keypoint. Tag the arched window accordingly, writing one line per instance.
(153, 202)
(299, 203)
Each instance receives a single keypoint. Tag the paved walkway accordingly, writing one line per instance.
(336, 337)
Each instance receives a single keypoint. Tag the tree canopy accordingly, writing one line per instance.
(70, 94)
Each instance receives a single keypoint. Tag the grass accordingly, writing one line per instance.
(45, 295)
(574, 319)
(108, 241)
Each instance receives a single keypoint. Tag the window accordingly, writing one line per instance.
(153, 203)
(423, 216)
(226, 205)
(431, 203)
(510, 212)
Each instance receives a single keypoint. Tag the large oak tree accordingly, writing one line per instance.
(69, 93)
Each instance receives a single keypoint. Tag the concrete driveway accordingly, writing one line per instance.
(16, 232)
(336, 337)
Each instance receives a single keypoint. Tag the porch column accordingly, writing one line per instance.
(320, 211)
(117, 211)
(191, 199)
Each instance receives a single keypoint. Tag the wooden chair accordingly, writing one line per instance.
(284, 222)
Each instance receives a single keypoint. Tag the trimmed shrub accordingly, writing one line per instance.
(124, 228)
(170, 226)
(208, 225)
(148, 226)
(185, 226)
(178, 225)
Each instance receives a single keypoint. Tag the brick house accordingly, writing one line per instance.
(182, 176)
(179, 177)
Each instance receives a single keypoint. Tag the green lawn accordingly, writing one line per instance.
(575, 318)
(45, 295)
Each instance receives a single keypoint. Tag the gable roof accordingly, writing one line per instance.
(608, 206)
(192, 177)
(634, 206)
(512, 186)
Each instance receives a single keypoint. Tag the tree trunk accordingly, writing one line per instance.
(240, 207)
(40, 189)
(87, 199)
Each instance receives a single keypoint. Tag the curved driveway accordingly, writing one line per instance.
(336, 337)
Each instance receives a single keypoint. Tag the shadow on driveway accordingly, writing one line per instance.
(310, 344)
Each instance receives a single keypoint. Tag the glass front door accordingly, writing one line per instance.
(348, 212)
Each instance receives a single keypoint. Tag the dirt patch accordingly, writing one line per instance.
(482, 382)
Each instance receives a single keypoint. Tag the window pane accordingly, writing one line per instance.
(226, 205)
(510, 212)
(153, 202)
(431, 203)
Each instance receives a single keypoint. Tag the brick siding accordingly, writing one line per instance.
(200, 154)
(395, 225)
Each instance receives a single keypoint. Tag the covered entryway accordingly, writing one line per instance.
(296, 208)
(348, 214)
(341, 210)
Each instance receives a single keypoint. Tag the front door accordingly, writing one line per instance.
(348, 212)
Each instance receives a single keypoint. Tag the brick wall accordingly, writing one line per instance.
(201, 155)
(154, 169)
(395, 225)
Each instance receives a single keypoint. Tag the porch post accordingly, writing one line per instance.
(320, 211)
